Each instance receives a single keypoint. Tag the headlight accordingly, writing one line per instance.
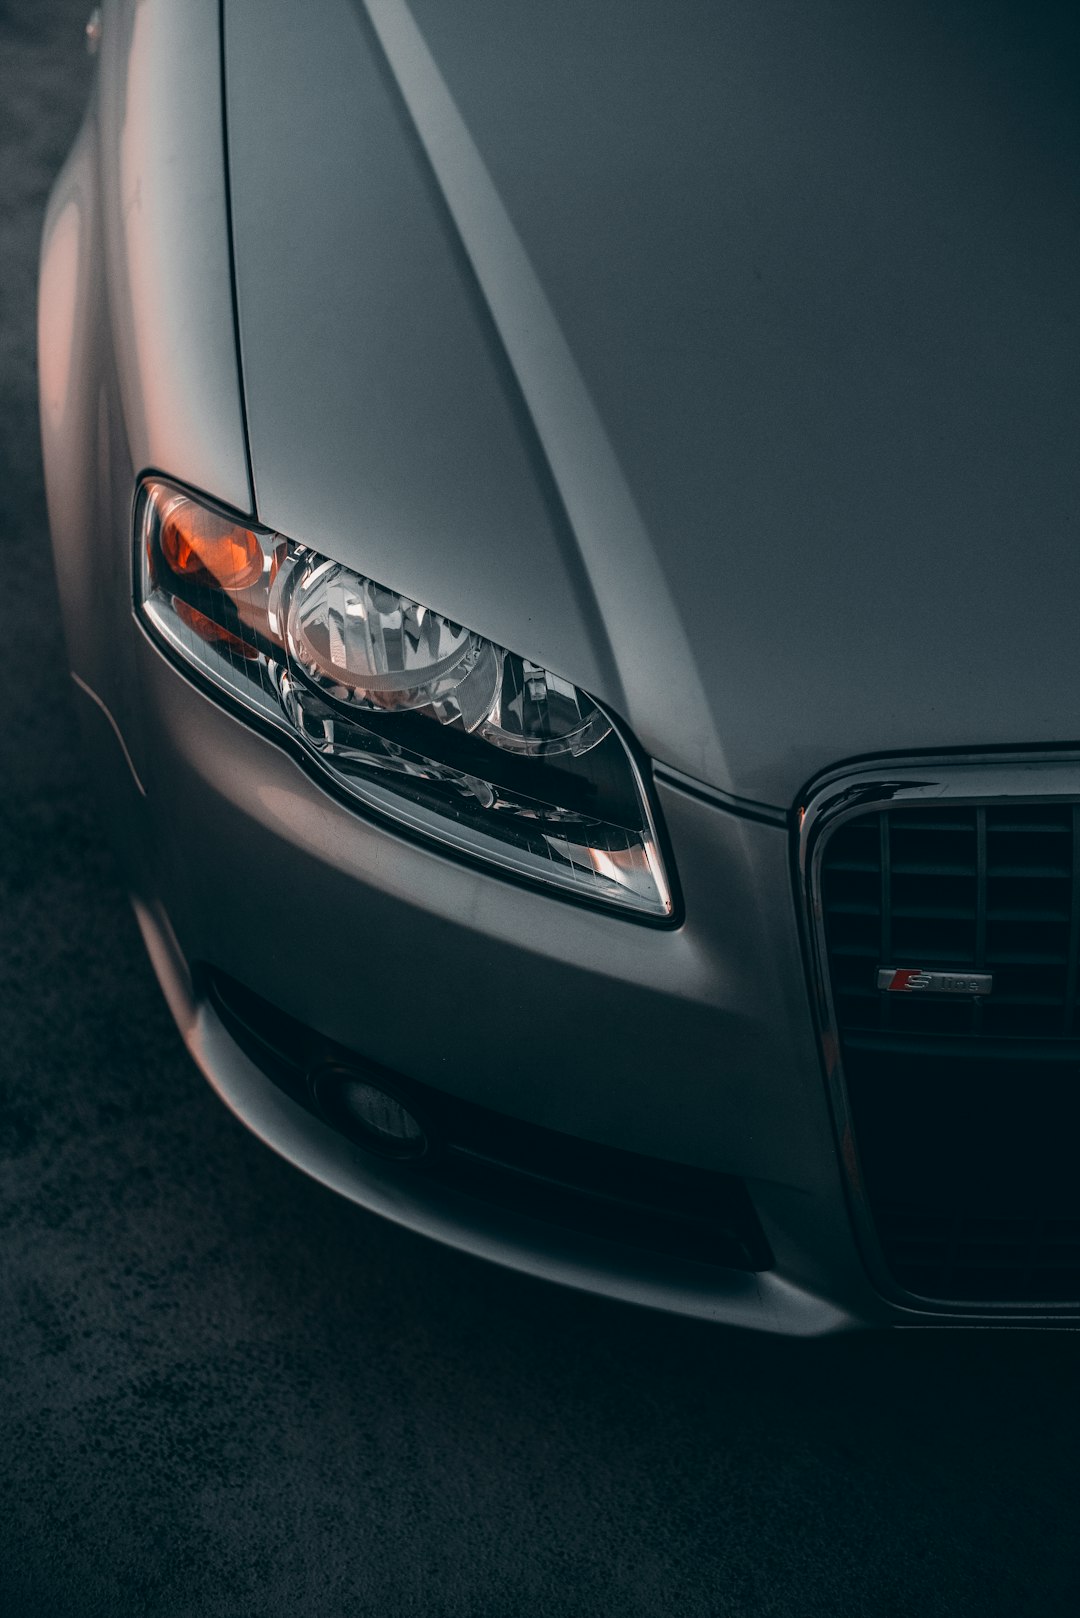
(415, 716)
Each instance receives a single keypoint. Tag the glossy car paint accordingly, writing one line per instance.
(137, 354)
(427, 289)
(812, 268)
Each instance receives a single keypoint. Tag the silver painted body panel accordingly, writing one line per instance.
(823, 310)
(693, 1044)
(166, 242)
(136, 337)
(554, 365)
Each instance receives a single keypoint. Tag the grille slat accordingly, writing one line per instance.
(1069, 1008)
(965, 1110)
(970, 1261)
(1022, 871)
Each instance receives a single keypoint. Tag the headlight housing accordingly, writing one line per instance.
(411, 714)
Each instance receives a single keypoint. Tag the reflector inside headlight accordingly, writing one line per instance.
(415, 716)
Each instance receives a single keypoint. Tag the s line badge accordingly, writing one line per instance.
(911, 980)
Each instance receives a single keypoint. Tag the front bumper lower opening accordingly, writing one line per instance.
(640, 1202)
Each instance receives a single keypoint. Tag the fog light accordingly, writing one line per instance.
(368, 1113)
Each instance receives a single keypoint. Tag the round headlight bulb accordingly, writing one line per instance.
(372, 648)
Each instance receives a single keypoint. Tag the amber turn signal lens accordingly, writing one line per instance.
(213, 634)
(206, 549)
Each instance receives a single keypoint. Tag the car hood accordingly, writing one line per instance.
(722, 358)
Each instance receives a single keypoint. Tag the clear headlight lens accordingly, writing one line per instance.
(415, 716)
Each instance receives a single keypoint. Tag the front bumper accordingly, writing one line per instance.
(693, 1044)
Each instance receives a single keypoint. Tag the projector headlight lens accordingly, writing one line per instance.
(413, 715)
(374, 650)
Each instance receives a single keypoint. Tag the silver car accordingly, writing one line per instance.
(564, 518)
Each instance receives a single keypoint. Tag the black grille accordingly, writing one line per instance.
(637, 1201)
(966, 1111)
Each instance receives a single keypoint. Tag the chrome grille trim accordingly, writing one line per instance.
(919, 785)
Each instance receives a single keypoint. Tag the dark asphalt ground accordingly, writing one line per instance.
(225, 1392)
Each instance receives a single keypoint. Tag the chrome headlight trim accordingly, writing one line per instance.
(230, 640)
